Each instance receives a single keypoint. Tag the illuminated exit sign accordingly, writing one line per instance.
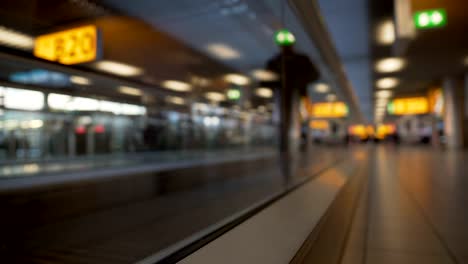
(71, 46)
(434, 18)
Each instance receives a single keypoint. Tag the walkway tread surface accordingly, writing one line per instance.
(414, 209)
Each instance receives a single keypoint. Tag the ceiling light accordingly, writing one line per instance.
(264, 92)
(80, 80)
(331, 97)
(264, 75)
(381, 104)
(200, 81)
(390, 65)
(216, 97)
(380, 109)
(130, 91)
(177, 86)
(381, 100)
(383, 94)
(175, 100)
(237, 79)
(386, 32)
(23, 99)
(387, 83)
(15, 39)
(118, 68)
(321, 88)
(223, 51)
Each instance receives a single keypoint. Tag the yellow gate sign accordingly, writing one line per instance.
(329, 110)
(71, 46)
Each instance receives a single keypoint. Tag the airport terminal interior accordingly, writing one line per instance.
(234, 131)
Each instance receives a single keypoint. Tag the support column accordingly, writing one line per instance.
(454, 112)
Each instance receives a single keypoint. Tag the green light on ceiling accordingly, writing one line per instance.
(284, 37)
(233, 94)
(434, 18)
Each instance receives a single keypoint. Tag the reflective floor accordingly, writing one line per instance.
(126, 219)
(415, 209)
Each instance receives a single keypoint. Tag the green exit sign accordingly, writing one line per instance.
(284, 37)
(434, 18)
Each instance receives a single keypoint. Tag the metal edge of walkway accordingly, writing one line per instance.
(226, 243)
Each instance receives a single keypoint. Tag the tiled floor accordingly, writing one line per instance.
(414, 210)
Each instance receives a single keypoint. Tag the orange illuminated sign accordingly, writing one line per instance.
(319, 124)
(436, 101)
(359, 131)
(409, 106)
(330, 110)
(71, 46)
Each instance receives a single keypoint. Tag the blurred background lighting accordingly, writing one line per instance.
(106, 106)
(223, 51)
(321, 88)
(23, 99)
(234, 94)
(383, 94)
(264, 75)
(175, 100)
(331, 97)
(80, 80)
(215, 96)
(387, 83)
(390, 65)
(386, 33)
(237, 79)
(264, 92)
(177, 86)
(58, 101)
(15, 39)
(130, 91)
(119, 68)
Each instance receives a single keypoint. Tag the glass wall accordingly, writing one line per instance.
(36, 125)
